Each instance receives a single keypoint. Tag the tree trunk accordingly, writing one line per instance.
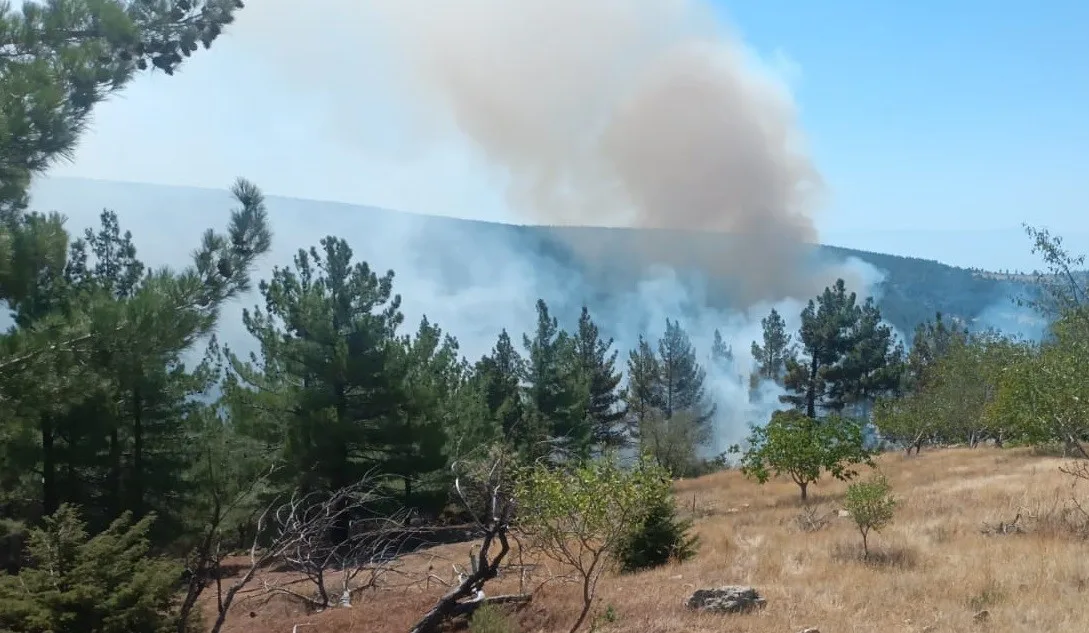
(805, 490)
(49, 467)
(137, 501)
(811, 390)
(116, 499)
(587, 601)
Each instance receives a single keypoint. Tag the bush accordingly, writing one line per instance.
(871, 506)
(491, 619)
(661, 537)
(100, 584)
(581, 515)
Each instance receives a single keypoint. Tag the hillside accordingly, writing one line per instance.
(932, 569)
(458, 256)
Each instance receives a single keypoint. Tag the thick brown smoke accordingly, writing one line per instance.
(637, 113)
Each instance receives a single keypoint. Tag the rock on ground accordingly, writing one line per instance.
(731, 599)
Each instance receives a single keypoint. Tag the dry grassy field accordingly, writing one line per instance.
(933, 570)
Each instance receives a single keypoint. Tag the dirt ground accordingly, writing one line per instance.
(935, 570)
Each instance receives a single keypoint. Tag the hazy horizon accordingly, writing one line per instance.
(991, 249)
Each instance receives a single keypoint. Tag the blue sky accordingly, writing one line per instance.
(923, 115)
(960, 115)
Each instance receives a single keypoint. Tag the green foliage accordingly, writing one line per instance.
(661, 538)
(105, 583)
(796, 445)
(582, 516)
(668, 407)
(771, 357)
(491, 619)
(1044, 397)
(63, 57)
(871, 506)
(848, 355)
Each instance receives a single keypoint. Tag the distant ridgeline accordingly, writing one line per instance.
(536, 261)
(913, 290)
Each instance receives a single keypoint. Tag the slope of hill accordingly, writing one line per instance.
(931, 570)
(496, 263)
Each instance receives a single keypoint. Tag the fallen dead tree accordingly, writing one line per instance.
(486, 490)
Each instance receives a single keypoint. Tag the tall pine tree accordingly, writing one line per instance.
(771, 357)
(597, 365)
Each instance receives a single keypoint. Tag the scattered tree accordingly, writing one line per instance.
(871, 506)
(581, 517)
(794, 444)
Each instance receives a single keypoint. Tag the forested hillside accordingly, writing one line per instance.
(446, 250)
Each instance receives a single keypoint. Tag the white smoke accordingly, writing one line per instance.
(637, 113)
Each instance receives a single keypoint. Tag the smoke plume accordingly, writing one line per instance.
(626, 113)
(644, 113)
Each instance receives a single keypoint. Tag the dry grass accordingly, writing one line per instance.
(932, 570)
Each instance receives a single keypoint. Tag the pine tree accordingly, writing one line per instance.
(499, 377)
(77, 583)
(825, 337)
(771, 357)
(597, 365)
(327, 378)
(417, 440)
(556, 397)
(73, 54)
(643, 393)
(871, 367)
(681, 377)
(722, 355)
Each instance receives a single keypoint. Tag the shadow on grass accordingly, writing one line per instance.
(815, 499)
(901, 558)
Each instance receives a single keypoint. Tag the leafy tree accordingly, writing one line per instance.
(796, 445)
(931, 342)
(906, 420)
(581, 517)
(771, 357)
(871, 506)
(1044, 397)
(76, 583)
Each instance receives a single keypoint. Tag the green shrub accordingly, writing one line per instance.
(871, 506)
(491, 619)
(662, 537)
(104, 583)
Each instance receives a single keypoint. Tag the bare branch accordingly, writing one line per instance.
(484, 489)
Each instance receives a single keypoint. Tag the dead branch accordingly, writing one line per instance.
(489, 485)
(297, 531)
(343, 533)
(1004, 527)
(204, 563)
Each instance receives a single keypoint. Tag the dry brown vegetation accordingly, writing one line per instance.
(946, 564)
